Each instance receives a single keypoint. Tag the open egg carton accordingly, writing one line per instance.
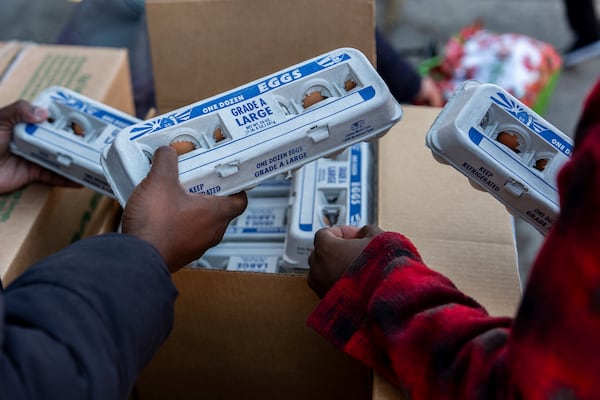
(274, 125)
(503, 147)
(70, 142)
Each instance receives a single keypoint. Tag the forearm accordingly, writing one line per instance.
(413, 325)
(98, 311)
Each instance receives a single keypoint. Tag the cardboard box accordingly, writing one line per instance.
(39, 220)
(243, 335)
(8, 51)
(201, 48)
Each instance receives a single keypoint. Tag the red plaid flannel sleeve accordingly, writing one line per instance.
(415, 328)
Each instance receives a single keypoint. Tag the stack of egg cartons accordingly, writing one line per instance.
(275, 232)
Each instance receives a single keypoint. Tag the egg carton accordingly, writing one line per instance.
(277, 186)
(265, 257)
(70, 142)
(502, 147)
(329, 192)
(264, 219)
(274, 125)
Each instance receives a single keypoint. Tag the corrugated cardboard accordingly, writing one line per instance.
(38, 220)
(243, 335)
(201, 48)
(8, 51)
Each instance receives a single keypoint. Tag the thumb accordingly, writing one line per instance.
(369, 231)
(164, 165)
(235, 204)
(22, 111)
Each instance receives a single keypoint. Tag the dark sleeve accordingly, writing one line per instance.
(413, 326)
(401, 77)
(83, 323)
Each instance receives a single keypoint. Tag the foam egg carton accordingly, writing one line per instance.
(329, 192)
(264, 219)
(502, 147)
(273, 125)
(265, 257)
(70, 142)
(277, 186)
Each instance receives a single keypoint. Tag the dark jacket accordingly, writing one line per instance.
(83, 323)
(400, 76)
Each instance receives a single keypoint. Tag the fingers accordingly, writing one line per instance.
(22, 111)
(369, 231)
(336, 232)
(346, 232)
(237, 203)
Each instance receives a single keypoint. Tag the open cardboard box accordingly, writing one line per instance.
(39, 220)
(243, 335)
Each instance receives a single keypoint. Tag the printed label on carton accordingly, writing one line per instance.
(280, 161)
(482, 175)
(515, 109)
(355, 214)
(540, 218)
(253, 263)
(87, 108)
(246, 104)
(259, 220)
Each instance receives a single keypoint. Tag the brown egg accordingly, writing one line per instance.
(540, 164)
(218, 134)
(183, 147)
(77, 129)
(511, 140)
(349, 84)
(312, 98)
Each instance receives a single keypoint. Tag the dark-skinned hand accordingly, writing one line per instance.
(179, 224)
(15, 171)
(335, 249)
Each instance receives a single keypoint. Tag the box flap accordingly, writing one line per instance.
(202, 48)
(80, 68)
(243, 335)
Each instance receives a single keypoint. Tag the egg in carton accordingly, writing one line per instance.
(274, 125)
(503, 147)
(71, 140)
(328, 192)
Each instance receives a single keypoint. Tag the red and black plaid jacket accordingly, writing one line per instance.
(415, 328)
